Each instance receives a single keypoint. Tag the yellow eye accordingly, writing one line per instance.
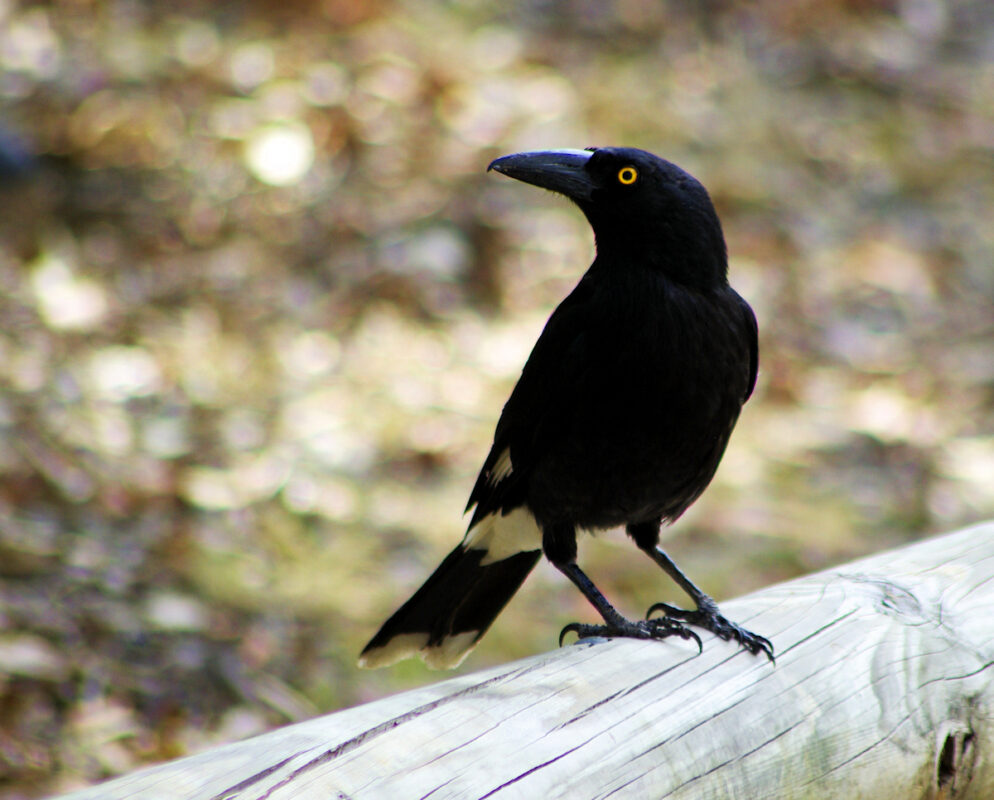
(628, 175)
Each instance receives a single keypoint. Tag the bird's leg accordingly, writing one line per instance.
(706, 614)
(614, 623)
(559, 544)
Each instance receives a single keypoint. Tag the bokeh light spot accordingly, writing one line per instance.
(280, 154)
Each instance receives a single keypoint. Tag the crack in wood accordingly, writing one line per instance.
(817, 632)
(689, 730)
(886, 737)
(371, 733)
(535, 769)
(440, 786)
(943, 678)
(588, 709)
(691, 679)
(725, 763)
(625, 785)
(524, 709)
(255, 778)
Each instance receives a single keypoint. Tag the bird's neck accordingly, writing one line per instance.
(687, 246)
(701, 268)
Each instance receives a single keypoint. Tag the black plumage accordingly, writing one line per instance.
(620, 417)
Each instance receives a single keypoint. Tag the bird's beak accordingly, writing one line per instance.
(559, 171)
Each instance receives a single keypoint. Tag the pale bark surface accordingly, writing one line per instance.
(882, 689)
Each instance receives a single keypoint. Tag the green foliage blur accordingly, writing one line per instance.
(260, 306)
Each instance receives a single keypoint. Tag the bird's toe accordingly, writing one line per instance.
(708, 618)
(659, 628)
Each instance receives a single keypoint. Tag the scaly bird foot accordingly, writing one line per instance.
(708, 617)
(660, 628)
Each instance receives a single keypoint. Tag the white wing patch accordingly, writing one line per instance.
(502, 467)
(503, 536)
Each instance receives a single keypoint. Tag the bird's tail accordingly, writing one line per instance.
(449, 614)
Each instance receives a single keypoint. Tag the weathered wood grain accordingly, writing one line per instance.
(882, 689)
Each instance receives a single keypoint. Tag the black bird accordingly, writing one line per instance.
(620, 417)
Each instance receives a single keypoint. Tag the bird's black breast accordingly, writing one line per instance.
(650, 378)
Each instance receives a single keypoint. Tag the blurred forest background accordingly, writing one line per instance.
(260, 306)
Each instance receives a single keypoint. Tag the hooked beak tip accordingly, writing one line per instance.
(562, 171)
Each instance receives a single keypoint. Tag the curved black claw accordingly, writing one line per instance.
(660, 628)
(707, 617)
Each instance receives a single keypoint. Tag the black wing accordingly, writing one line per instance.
(752, 329)
(534, 413)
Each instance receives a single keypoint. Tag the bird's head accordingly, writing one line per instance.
(643, 209)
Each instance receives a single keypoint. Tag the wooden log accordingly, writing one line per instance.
(882, 689)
